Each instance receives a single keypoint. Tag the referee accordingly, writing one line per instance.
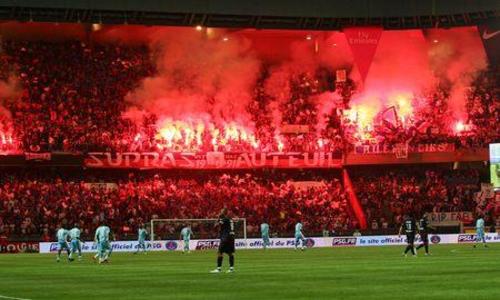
(226, 244)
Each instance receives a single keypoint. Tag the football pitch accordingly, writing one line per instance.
(452, 272)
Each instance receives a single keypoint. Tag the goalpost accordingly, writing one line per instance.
(169, 229)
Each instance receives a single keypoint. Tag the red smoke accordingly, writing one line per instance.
(456, 55)
(406, 63)
(9, 91)
(208, 76)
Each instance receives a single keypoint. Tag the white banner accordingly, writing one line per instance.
(443, 217)
(316, 242)
(173, 245)
(385, 240)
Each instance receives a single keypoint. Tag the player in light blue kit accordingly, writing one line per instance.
(142, 233)
(264, 231)
(299, 236)
(62, 243)
(74, 234)
(186, 234)
(101, 238)
(480, 232)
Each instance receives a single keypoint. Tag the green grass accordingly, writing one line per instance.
(452, 272)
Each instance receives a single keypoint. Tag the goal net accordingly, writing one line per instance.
(170, 229)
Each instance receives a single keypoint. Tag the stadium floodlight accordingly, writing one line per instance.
(168, 229)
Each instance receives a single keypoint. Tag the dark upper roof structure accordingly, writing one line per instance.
(264, 14)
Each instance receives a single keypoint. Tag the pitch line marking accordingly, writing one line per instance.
(13, 298)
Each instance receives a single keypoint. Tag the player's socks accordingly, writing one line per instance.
(219, 262)
(231, 261)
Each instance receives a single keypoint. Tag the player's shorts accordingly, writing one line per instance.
(103, 246)
(227, 245)
(410, 238)
(299, 236)
(141, 243)
(75, 245)
(62, 245)
(265, 239)
(424, 236)
(479, 235)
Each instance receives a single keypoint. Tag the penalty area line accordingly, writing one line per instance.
(12, 298)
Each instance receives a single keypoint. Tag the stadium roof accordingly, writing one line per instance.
(291, 14)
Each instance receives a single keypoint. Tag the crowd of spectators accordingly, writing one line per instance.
(390, 195)
(72, 99)
(483, 109)
(434, 122)
(34, 207)
(72, 93)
